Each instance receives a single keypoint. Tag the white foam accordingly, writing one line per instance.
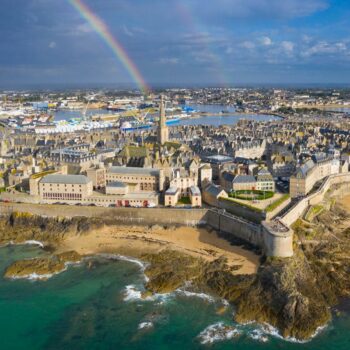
(218, 332)
(124, 258)
(37, 277)
(131, 293)
(141, 264)
(34, 242)
(225, 302)
(40, 277)
(196, 295)
(267, 329)
(258, 334)
(145, 325)
(28, 242)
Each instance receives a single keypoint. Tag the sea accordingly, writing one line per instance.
(97, 304)
(229, 118)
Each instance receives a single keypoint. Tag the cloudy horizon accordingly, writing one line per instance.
(177, 42)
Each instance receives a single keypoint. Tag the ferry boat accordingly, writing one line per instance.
(172, 121)
(127, 126)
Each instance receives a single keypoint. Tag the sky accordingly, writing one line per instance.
(176, 42)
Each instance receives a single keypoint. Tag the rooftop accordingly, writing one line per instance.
(65, 179)
(116, 184)
(133, 171)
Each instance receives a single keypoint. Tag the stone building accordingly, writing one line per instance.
(212, 193)
(64, 188)
(264, 181)
(244, 182)
(312, 171)
(98, 176)
(138, 179)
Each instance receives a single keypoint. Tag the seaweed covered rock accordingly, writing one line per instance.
(21, 227)
(285, 295)
(41, 268)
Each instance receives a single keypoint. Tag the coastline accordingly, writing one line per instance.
(136, 241)
(284, 293)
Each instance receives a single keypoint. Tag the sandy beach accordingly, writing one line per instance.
(136, 241)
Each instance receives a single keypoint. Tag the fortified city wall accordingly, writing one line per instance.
(270, 242)
(315, 198)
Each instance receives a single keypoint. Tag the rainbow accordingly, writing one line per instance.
(102, 30)
(191, 21)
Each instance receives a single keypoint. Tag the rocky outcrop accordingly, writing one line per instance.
(294, 295)
(41, 268)
(22, 227)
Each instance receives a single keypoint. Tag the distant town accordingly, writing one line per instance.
(252, 153)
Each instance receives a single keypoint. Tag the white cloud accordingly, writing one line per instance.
(84, 28)
(265, 41)
(248, 45)
(169, 60)
(261, 8)
(52, 45)
(306, 39)
(324, 47)
(288, 47)
(127, 31)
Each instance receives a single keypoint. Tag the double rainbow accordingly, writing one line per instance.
(102, 30)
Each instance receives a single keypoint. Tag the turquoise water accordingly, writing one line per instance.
(87, 307)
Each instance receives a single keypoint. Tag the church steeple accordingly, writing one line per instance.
(163, 132)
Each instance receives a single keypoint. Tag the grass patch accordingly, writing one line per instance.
(42, 174)
(313, 212)
(250, 195)
(184, 200)
(277, 203)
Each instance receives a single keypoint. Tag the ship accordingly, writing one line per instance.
(127, 126)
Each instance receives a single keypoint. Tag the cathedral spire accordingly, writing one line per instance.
(163, 132)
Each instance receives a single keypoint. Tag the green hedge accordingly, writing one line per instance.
(42, 174)
(184, 200)
(277, 203)
(259, 195)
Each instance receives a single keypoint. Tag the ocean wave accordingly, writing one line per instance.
(43, 277)
(218, 332)
(132, 293)
(270, 330)
(145, 325)
(138, 262)
(37, 277)
(259, 335)
(28, 242)
(196, 295)
(34, 242)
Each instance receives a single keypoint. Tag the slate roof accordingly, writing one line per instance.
(213, 190)
(65, 179)
(244, 179)
(229, 177)
(133, 171)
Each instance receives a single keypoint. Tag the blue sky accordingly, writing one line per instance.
(177, 42)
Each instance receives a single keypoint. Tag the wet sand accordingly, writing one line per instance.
(136, 241)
